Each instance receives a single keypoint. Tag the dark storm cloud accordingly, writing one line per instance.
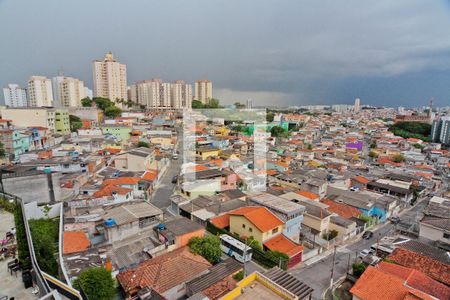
(294, 51)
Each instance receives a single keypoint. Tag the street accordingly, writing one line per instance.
(318, 274)
(161, 196)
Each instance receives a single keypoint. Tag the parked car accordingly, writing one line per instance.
(395, 220)
(364, 253)
(174, 156)
(367, 235)
(175, 179)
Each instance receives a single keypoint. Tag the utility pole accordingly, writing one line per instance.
(332, 267)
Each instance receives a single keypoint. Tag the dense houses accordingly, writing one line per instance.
(130, 202)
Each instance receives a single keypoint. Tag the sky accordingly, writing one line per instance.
(280, 52)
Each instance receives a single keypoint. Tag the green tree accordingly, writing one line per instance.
(143, 144)
(278, 131)
(207, 246)
(373, 145)
(358, 269)
(197, 104)
(45, 233)
(279, 257)
(239, 275)
(330, 235)
(103, 103)
(75, 123)
(113, 111)
(270, 116)
(213, 103)
(398, 158)
(97, 283)
(86, 102)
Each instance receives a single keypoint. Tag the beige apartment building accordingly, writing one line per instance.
(40, 91)
(26, 117)
(110, 78)
(68, 91)
(155, 93)
(203, 91)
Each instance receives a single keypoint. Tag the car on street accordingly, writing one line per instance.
(395, 220)
(364, 253)
(175, 179)
(367, 235)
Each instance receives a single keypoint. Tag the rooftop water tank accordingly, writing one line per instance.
(110, 222)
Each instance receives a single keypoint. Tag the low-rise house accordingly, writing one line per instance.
(393, 188)
(165, 275)
(435, 224)
(75, 242)
(316, 218)
(217, 282)
(177, 233)
(139, 159)
(129, 219)
(290, 212)
(346, 228)
(206, 152)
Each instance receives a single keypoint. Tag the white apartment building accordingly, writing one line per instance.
(110, 78)
(40, 91)
(155, 93)
(203, 91)
(357, 106)
(15, 96)
(68, 91)
(181, 94)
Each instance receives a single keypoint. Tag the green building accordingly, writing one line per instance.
(62, 121)
(122, 133)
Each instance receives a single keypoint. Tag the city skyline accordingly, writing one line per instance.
(291, 54)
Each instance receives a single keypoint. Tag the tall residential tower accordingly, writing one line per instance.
(40, 91)
(110, 78)
(203, 91)
(15, 96)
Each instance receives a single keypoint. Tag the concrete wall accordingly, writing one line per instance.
(34, 187)
(33, 211)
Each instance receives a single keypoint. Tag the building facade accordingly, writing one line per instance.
(203, 91)
(40, 91)
(440, 131)
(68, 91)
(30, 117)
(110, 78)
(62, 121)
(15, 96)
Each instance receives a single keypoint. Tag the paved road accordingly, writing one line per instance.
(161, 197)
(318, 275)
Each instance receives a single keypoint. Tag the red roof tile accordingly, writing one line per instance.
(221, 221)
(75, 241)
(308, 195)
(361, 179)
(342, 209)
(283, 244)
(431, 267)
(261, 217)
(164, 272)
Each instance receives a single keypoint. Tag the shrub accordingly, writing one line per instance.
(97, 283)
(45, 233)
(239, 276)
(208, 247)
(358, 269)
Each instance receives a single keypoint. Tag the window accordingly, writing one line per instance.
(275, 230)
(243, 225)
(250, 229)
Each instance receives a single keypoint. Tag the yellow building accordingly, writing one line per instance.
(251, 221)
(206, 152)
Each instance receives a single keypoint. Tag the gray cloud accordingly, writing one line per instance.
(288, 51)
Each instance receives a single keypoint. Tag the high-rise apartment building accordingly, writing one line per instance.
(40, 91)
(68, 91)
(203, 91)
(440, 131)
(15, 96)
(357, 106)
(181, 94)
(155, 93)
(110, 78)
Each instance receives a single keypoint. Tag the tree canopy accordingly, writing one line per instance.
(207, 246)
(97, 283)
(75, 123)
(412, 130)
(112, 111)
(278, 131)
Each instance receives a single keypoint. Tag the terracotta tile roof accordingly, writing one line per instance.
(431, 267)
(283, 244)
(361, 179)
(308, 195)
(417, 280)
(75, 241)
(122, 181)
(375, 284)
(164, 272)
(108, 190)
(259, 216)
(221, 221)
(150, 175)
(342, 209)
